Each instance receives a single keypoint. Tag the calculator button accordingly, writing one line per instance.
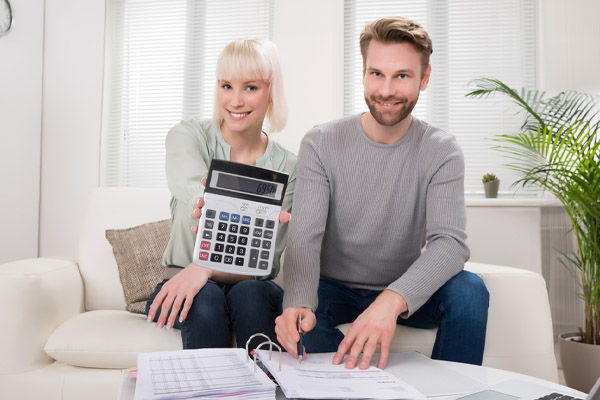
(263, 265)
(235, 217)
(239, 261)
(210, 213)
(231, 239)
(253, 258)
(208, 224)
(220, 237)
(264, 255)
(222, 226)
(204, 245)
(203, 256)
(268, 234)
(244, 230)
(229, 249)
(224, 216)
(241, 251)
(243, 240)
(219, 247)
(261, 212)
(233, 228)
(270, 224)
(206, 235)
(228, 260)
(255, 242)
(246, 220)
(266, 244)
(259, 222)
(216, 257)
(257, 232)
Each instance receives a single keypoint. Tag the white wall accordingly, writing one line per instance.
(72, 109)
(21, 52)
(570, 47)
(73, 38)
(312, 61)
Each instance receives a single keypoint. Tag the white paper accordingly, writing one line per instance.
(202, 372)
(317, 378)
(428, 376)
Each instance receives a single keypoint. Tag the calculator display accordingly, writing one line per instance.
(247, 185)
(253, 186)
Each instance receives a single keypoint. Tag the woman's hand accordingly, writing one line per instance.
(178, 294)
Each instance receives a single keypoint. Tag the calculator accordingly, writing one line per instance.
(240, 217)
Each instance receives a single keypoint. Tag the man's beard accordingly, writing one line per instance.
(390, 118)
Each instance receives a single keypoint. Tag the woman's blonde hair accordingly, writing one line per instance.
(254, 59)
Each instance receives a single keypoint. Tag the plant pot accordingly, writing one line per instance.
(491, 189)
(580, 361)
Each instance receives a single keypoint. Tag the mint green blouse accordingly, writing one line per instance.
(190, 147)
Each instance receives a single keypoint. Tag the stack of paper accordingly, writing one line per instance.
(203, 373)
(317, 378)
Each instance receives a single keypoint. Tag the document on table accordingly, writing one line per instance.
(210, 373)
(428, 376)
(317, 378)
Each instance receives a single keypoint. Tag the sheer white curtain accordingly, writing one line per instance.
(161, 58)
(471, 39)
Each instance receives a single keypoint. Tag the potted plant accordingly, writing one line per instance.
(558, 150)
(490, 185)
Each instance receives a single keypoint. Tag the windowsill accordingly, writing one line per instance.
(473, 200)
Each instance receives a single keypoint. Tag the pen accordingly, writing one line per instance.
(300, 345)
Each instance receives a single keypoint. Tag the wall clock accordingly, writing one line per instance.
(6, 17)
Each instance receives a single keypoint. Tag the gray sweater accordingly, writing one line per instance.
(363, 211)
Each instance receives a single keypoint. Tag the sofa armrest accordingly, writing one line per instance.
(37, 296)
(519, 335)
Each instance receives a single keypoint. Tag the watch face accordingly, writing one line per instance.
(5, 16)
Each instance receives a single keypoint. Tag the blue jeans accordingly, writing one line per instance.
(458, 309)
(248, 307)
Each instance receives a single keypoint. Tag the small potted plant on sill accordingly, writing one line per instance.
(490, 185)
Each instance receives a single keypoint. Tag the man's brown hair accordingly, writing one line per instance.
(397, 30)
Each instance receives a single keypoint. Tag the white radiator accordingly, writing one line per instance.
(563, 286)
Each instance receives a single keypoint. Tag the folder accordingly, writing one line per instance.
(201, 373)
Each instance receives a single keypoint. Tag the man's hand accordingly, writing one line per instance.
(284, 216)
(286, 327)
(376, 325)
(178, 291)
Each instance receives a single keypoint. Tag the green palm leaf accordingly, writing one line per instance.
(558, 150)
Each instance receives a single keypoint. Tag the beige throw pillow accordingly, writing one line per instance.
(139, 251)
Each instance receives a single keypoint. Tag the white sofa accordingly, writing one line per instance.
(75, 310)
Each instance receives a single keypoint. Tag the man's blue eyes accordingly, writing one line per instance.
(401, 76)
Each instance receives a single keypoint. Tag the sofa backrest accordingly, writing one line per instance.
(113, 208)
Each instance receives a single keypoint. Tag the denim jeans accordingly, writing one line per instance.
(247, 307)
(458, 309)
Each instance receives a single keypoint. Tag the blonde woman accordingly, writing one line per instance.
(206, 304)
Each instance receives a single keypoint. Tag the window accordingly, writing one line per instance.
(161, 58)
(471, 39)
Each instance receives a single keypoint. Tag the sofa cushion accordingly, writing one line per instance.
(108, 339)
(138, 252)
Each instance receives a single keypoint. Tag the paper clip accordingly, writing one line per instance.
(271, 346)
